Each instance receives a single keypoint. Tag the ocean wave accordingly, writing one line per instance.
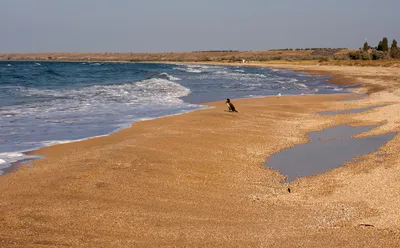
(240, 76)
(204, 67)
(199, 68)
(161, 90)
(188, 69)
(24, 91)
(301, 85)
(169, 77)
(150, 91)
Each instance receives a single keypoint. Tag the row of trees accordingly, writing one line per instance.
(217, 51)
(307, 49)
(383, 49)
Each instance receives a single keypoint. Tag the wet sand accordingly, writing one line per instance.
(197, 179)
(350, 111)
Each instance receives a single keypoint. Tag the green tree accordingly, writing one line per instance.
(366, 47)
(380, 46)
(385, 45)
(394, 50)
(394, 44)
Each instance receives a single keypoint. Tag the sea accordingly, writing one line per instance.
(47, 103)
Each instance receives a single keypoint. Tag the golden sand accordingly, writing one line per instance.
(197, 180)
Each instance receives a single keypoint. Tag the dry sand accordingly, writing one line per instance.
(196, 180)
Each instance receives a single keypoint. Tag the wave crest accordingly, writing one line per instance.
(169, 77)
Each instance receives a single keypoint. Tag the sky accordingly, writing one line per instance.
(187, 25)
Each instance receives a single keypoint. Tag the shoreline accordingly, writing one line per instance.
(145, 187)
(14, 166)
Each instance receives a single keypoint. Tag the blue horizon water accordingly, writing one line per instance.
(48, 103)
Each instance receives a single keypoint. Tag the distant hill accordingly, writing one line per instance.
(197, 56)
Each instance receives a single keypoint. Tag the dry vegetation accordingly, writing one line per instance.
(374, 63)
(300, 57)
(179, 57)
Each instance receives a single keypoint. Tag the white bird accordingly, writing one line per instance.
(279, 95)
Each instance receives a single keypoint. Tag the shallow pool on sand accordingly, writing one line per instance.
(326, 150)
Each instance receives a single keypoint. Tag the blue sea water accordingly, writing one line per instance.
(52, 102)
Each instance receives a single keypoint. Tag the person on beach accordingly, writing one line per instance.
(231, 107)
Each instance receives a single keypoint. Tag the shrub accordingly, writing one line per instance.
(359, 55)
(323, 59)
(377, 55)
(341, 57)
(276, 57)
(325, 51)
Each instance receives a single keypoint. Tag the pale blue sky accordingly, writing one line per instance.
(186, 25)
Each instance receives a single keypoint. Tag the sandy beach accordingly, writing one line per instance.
(198, 180)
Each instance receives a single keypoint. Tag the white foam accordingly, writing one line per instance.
(301, 85)
(257, 75)
(225, 72)
(161, 90)
(188, 69)
(8, 158)
(55, 142)
(170, 77)
(199, 68)
(240, 76)
(97, 97)
(174, 78)
(193, 70)
(254, 84)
